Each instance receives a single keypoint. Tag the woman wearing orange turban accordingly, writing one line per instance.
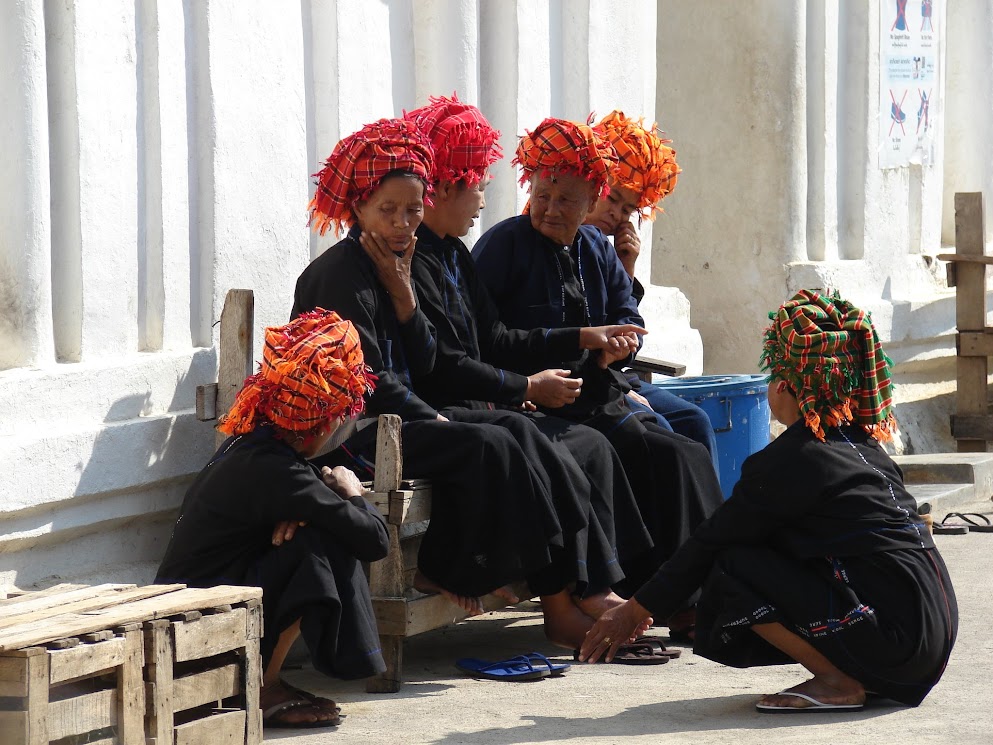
(260, 489)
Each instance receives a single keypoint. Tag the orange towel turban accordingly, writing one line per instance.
(357, 165)
(645, 163)
(312, 372)
(560, 145)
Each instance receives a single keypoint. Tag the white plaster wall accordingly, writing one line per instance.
(969, 109)
(732, 95)
(161, 152)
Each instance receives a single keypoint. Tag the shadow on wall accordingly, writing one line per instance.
(117, 523)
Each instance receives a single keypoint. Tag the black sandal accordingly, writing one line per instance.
(972, 524)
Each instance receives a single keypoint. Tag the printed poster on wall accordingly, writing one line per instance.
(908, 78)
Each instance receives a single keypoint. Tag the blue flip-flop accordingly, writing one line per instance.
(554, 668)
(515, 669)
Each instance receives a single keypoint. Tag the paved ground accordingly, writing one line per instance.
(688, 700)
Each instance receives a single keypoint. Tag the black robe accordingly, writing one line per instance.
(536, 283)
(224, 536)
(500, 509)
(469, 330)
(825, 539)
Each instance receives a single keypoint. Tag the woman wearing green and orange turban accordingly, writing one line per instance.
(819, 557)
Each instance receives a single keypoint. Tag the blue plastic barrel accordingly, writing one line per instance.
(738, 408)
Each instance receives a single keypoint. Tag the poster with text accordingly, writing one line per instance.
(908, 79)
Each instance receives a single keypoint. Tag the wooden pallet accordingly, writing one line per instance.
(72, 661)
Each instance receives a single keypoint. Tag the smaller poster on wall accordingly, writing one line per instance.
(908, 81)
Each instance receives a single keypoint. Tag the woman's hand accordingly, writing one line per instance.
(610, 337)
(614, 628)
(285, 531)
(343, 481)
(393, 272)
(553, 388)
(638, 398)
(627, 244)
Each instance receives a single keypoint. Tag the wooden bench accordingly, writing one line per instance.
(124, 665)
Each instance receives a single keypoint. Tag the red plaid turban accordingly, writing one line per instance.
(645, 163)
(464, 143)
(560, 145)
(312, 372)
(828, 352)
(357, 165)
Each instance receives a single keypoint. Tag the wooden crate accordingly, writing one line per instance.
(72, 660)
(203, 674)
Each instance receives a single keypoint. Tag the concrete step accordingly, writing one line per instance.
(948, 481)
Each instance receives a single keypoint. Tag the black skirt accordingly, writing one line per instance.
(888, 619)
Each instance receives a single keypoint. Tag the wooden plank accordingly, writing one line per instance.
(970, 305)
(975, 427)
(15, 595)
(36, 703)
(131, 691)
(14, 728)
(389, 457)
(402, 506)
(159, 674)
(209, 686)
(253, 674)
(81, 714)
(974, 343)
(218, 729)
(206, 402)
(13, 676)
(148, 609)
(31, 604)
(210, 635)
(85, 605)
(85, 660)
(960, 259)
(234, 348)
(390, 680)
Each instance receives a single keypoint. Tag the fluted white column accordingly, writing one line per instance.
(25, 252)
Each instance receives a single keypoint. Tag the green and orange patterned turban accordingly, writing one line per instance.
(464, 143)
(564, 146)
(357, 165)
(312, 372)
(645, 163)
(828, 352)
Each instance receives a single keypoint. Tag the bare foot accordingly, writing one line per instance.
(843, 690)
(471, 605)
(595, 606)
(507, 594)
(565, 624)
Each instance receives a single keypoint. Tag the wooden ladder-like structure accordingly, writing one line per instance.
(972, 423)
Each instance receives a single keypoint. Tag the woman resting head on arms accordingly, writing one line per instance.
(260, 514)
(819, 557)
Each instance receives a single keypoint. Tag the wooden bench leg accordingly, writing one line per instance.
(389, 681)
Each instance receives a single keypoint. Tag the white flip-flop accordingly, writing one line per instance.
(815, 705)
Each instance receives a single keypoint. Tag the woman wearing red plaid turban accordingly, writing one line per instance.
(506, 505)
(819, 557)
(546, 269)
(259, 490)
